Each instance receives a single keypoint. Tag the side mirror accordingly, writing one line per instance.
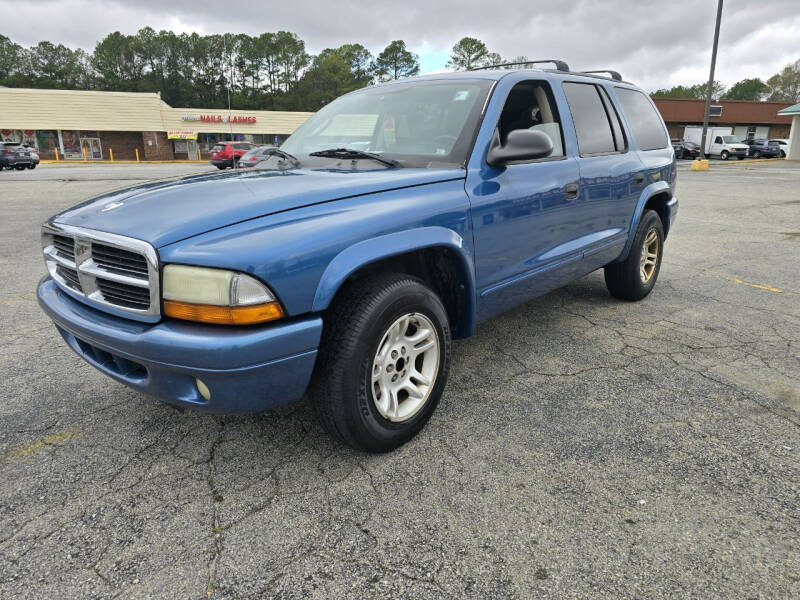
(521, 144)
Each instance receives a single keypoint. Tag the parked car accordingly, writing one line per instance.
(685, 149)
(405, 214)
(783, 144)
(227, 154)
(759, 147)
(254, 156)
(17, 156)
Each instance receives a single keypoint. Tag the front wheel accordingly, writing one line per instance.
(724, 155)
(383, 362)
(634, 278)
(741, 157)
(756, 154)
(31, 166)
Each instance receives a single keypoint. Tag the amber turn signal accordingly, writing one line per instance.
(223, 315)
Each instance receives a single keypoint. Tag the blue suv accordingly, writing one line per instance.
(393, 221)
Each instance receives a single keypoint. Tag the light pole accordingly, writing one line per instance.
(710, 80)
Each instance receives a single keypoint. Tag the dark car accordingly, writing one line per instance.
(227, 154)
(17, 156)
(684, 149)
(759, 147)
(252, 157)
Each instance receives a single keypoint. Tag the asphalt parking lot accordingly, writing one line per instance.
(584, 447)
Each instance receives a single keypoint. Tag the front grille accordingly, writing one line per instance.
(103, 269)
(119, 261)
(70, 276)
(129, 296)
(64, 246)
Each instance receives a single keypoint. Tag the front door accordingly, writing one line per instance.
(191, 150)
(524, 215)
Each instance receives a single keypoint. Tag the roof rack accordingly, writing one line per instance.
(560, 64)
(614, 74)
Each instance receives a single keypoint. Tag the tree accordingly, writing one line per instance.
(395, 62)
(786, 84)
(10, 57)
(747, 89)
(467, 53)
(691, 91)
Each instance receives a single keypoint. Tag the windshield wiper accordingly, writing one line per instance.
(350, 153)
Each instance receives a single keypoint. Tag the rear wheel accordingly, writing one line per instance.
(221, 167)
(383, 362)
(19, 167)
(634, 278)
(783, 154)
(31, 166)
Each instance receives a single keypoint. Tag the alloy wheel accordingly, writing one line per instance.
(405, 367)
(649, 256)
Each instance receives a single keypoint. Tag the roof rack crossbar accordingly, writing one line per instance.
(614, 74)
(560, 64)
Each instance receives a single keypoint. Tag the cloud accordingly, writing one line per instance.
(655, 44)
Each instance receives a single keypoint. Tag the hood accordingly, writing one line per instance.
(166, 211)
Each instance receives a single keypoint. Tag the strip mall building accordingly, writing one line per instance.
(93, 124)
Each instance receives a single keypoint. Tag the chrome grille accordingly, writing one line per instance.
(129, 296)
(121, 261)
(64, 246)
(109, 271)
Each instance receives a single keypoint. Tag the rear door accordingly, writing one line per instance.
(611, 178)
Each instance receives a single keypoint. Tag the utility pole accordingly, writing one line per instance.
(710, 80)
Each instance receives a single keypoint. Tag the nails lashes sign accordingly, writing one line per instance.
(218, 118)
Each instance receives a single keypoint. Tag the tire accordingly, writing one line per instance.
(19, 167)
(626, 280)
(756, 154)
(724, 155)
(31, 166)
(221, 167)
(741, 157)
(783, 154)
(349, 388)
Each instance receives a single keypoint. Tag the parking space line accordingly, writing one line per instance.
(10, 299)
(48, 440)
(759, 286)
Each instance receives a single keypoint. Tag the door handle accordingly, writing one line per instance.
(571, 191)
(638, 178)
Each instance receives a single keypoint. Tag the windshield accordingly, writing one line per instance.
(418, 124)
(729, 139)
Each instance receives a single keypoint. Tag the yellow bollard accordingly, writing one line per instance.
(699, 165)
(84, 154)
(137, 155)
(56, 149)
(111, 154)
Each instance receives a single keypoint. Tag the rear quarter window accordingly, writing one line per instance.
(643, 119)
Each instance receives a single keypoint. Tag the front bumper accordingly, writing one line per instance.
(246, 369)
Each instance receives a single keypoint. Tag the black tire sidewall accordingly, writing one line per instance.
(424, 302)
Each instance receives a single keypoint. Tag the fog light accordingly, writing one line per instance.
(203, 389)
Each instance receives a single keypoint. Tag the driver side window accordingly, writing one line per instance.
(530, 105)
(717, 140)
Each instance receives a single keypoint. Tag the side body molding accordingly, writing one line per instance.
(385, 246)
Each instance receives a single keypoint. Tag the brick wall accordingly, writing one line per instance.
(157, 146)
(124, 144)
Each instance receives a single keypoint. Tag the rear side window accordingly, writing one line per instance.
(591, 119)
(643, 118)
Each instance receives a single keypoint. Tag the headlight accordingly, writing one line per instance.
(217, 296)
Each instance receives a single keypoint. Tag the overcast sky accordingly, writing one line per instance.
(653, 43)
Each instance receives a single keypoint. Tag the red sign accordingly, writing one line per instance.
(223, 119)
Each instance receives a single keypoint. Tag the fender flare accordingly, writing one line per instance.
(657, 187)
(374, 249)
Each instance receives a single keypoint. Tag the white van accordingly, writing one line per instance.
(720, 142)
